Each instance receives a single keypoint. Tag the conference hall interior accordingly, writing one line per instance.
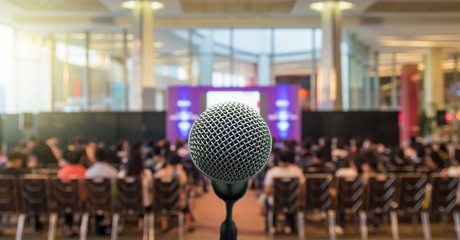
(166, 119)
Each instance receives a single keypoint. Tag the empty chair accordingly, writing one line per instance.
(381, 199)
(286, 201)
(167, 200)
(9, 201)
(318, 198)
(98, 202)
(34, 192)
(35, 196)
(444, 198)
(411, 197)
(350, 200)
(66, 196)
(129, 202)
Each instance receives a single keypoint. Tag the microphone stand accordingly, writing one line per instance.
(230, 193)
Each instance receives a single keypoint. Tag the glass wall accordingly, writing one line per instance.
(245, 57)
(296, 54)
(32, 72)
(106, 77)
(70, 72)
(91, 71)
(7, 87)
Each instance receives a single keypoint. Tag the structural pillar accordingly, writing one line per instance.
(329, 83)
(313, 75)
(394, 86)
(376, 83)
(264, 70)
(346, 69)
(367, 78)
(143, 58)
(206, 59)
(87, 74)
(434, 97)
(409, 102)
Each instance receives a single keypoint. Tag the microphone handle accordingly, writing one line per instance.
(230, 193)
(228, 230)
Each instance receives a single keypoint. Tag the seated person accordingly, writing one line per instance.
(135, 168)
(41, 154)
(453, 171)
(174, 169)
(285, 169)
(101, 169)
(156, 161)
(347, 169)
(72, 169)
(319, 164)
(14, 164)
(2, 157)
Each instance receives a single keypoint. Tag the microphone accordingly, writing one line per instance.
(230, 143)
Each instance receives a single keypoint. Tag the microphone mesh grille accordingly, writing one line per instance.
(230, 142)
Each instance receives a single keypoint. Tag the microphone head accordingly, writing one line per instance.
(230, 142)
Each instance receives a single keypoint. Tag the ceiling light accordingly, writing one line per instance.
(158, 44)
(129, 4)
(180, 52)
(345, 5)
(133, 3)
(319, 6)
(157, 5)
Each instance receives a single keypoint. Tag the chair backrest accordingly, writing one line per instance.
(401, 169)
(286, 192)
(66, 195)
(381, 193)
(167, 196)
(98, 195)
(412, 191)
(48, 171)
(9, 187)
(129, 195)
(444, 194)
(318, 195)
(35, 193)
(350, 194)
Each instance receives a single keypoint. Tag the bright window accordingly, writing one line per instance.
(7, 96)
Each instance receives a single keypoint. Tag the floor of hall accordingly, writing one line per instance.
(210, 212)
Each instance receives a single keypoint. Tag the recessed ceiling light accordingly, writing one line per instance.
(133, 3)
(157, 5)
(319, 6)
(129, 4)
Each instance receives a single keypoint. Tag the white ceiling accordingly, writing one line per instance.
(380, 30)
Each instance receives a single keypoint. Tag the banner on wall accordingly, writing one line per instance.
(278, 105)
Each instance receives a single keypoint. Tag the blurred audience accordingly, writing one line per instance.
(101, 169)
(172, 170)
(135, 168)
(157, 158)
(14, 164)
(72, 169)
(41, 155)
(285, 169)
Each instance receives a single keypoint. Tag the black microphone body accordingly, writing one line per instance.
(230, 193)
(230, 143)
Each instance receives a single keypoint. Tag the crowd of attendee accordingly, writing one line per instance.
(85, 158)
(292, 160)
